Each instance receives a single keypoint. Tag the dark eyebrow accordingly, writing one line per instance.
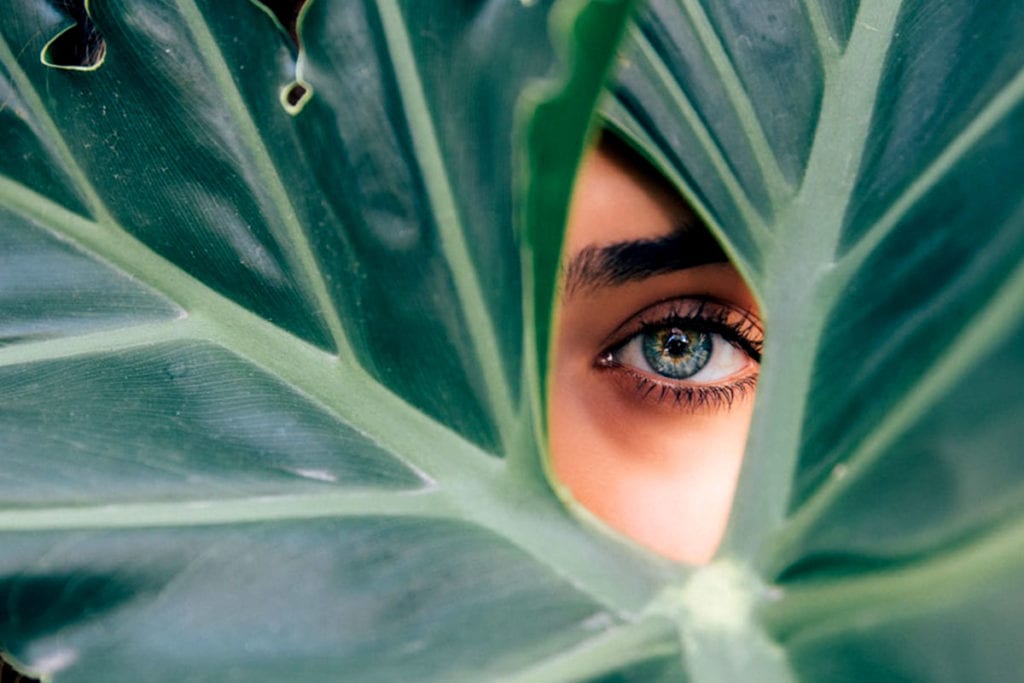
(623, 262)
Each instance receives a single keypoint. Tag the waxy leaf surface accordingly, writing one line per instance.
(274, 328)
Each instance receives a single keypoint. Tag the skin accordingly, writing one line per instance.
(660, 471)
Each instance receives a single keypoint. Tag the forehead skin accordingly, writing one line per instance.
(614, 183)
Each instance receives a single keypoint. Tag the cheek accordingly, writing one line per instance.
(663, 478)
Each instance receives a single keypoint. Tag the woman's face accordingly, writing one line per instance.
(656, 361)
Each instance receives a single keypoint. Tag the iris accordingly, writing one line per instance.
(676, 352)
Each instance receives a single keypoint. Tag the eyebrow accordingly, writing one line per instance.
(622, 262)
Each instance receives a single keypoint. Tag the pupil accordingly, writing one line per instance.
(677, 344)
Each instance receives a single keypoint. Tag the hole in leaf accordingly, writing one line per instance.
(79, 47)
(295, 96)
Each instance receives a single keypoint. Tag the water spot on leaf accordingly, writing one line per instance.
(177, 370)
(316, 474)
(79, 47)
(598, 621)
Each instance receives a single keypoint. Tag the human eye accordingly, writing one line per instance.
(691, 353)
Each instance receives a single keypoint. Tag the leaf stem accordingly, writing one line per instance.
(613, 649)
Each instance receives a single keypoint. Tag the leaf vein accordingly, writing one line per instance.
(205, 512)
(998, 108)
(294, 236)
(751, 216)
(828, 50)
(977, 337)
(352, 395)
(53, 138)
(481, 329)
(775, 181)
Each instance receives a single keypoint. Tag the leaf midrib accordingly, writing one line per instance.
(809, 226)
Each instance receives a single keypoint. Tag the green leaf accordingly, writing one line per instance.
(274, 329)
(267, 412)
(860, 162)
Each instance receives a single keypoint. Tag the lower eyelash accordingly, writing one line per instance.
(689, 397)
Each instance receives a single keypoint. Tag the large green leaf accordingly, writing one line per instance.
(862, 163)
(262, 353)
(273, 328)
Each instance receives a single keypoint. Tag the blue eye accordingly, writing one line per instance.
(681, 350)
(676, 352)
(697, 354)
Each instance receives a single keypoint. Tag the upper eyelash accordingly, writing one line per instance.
(731, 333)
(709, 315)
